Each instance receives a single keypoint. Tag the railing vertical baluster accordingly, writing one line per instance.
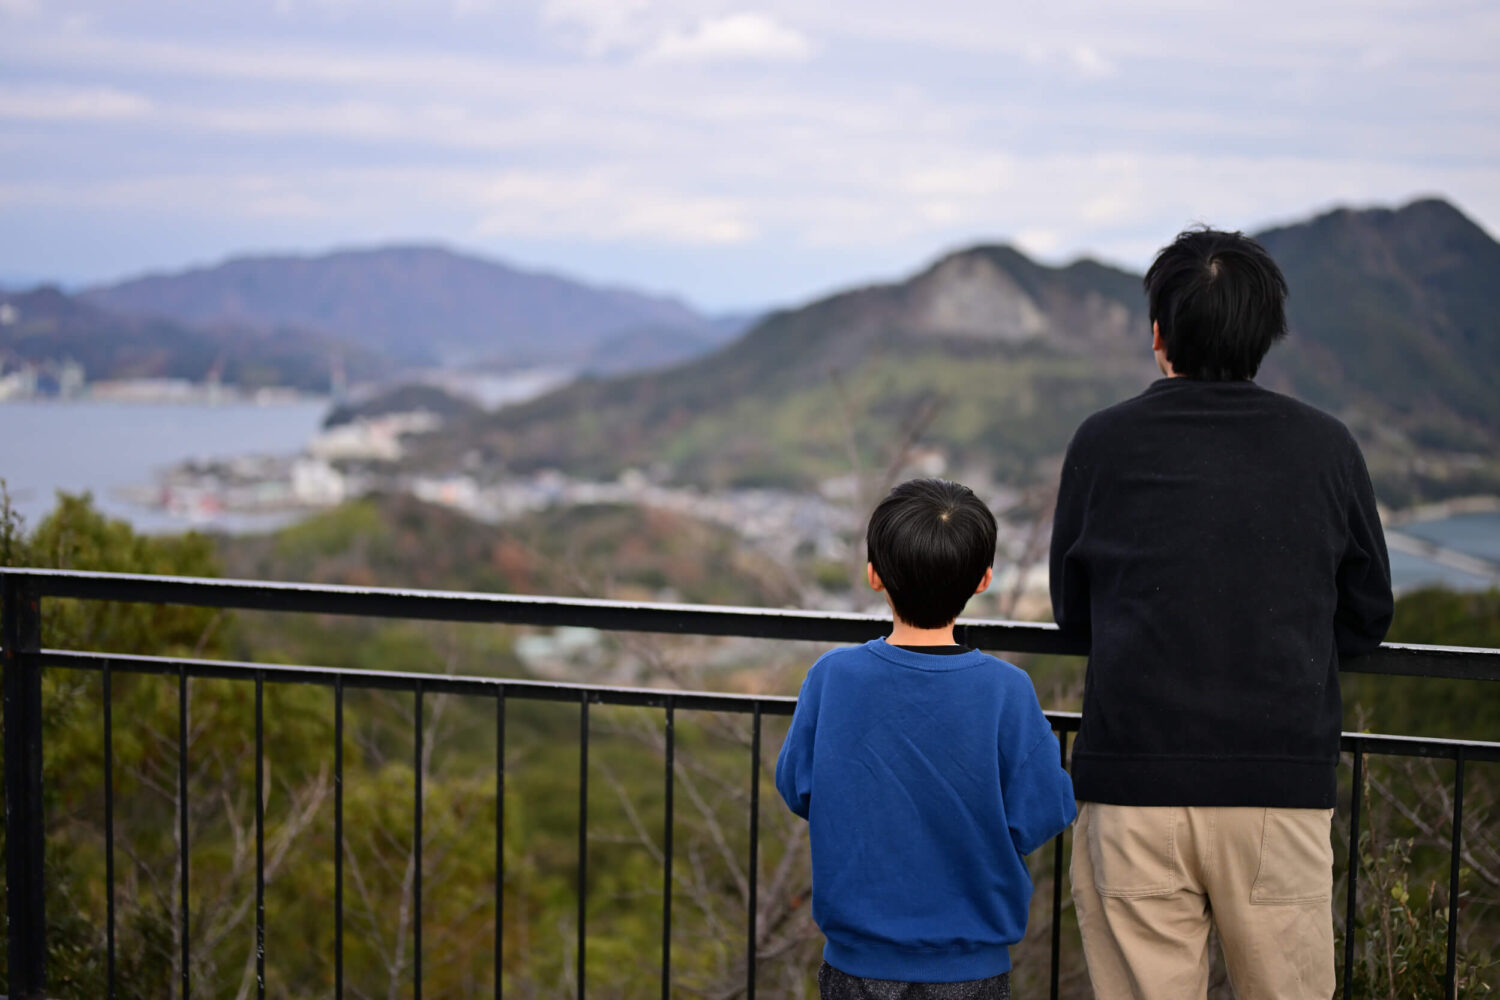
(25, 843)
(338, 837)
(754, 851)
(583, 825)
(182, 820)
(260, 835)
(109, 833)
(1450, 985)
(417, 847)
(1057, 871)
(666, 876)
(499, 837)
(1356, 796)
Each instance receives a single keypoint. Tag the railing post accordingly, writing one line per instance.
(26, 901)
(1450, 985)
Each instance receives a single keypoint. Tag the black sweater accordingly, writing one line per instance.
(1219, 544)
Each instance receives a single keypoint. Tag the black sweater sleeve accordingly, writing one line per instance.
(1068, 576)
(1365, 604)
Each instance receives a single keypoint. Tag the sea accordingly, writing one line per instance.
(110, 449)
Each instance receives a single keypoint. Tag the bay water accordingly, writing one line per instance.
(108, 447)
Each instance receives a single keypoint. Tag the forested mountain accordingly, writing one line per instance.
(416, 304)
(47, 326)
(995, 358)
(1396, 312)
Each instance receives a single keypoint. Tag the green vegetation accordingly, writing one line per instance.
(1404, 950)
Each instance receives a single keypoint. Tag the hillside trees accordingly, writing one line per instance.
(382, 761)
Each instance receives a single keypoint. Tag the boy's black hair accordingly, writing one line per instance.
(1219, 301)
(930, 541)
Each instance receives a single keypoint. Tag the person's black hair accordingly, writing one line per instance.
(1219, 301)
(930, 541)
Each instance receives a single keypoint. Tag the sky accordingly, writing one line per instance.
(739, 154)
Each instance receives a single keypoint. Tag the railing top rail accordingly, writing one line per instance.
(571, 693)
(630, 616)
(407, 680)
(514, 609)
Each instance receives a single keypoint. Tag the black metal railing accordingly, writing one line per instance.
(24, 659)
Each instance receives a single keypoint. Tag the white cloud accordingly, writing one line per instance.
(593, 205)
(600, 26)
(1039, 242)
(587, 206)
(744, 36)
(346, 119)
(967, 177)
(1113, 207)
(1072, 58)
(1087, 61)
(250, 65)
(243, 196)
(72, 104)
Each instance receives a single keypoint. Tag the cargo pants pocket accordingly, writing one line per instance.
(1296, 857)
(1133, 850)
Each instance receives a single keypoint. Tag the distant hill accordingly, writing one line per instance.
(598, 551)
(644, 348)
(419, 305)
(48, 325)
(1396, 328)
(405, 398)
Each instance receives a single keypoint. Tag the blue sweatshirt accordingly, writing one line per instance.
(925, 779)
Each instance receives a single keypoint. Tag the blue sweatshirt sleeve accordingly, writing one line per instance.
(1038, 792)
(794, 764)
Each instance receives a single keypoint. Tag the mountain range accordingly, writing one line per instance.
(294, 321)
(985, 357)
(423, 305)
(993, 359)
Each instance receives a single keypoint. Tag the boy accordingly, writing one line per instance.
(926, 772)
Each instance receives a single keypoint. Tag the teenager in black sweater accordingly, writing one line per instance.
(1219, 544)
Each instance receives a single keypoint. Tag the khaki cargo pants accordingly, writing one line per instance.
(1148, 881)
